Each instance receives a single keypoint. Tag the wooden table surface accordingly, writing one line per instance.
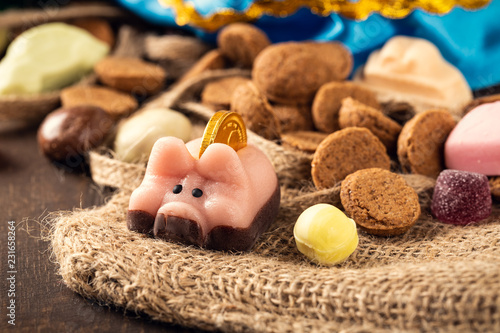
(31, 187)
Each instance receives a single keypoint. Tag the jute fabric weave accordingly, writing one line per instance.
(437, 277)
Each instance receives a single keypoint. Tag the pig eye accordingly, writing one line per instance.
(197, 193)
(177, 189)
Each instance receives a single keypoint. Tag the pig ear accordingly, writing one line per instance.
(221, 163)
(170, 158)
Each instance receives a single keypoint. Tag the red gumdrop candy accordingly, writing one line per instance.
(461, 197)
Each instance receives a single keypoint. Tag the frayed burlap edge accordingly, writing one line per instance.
(436, 277)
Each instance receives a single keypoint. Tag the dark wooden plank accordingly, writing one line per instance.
(30, 188)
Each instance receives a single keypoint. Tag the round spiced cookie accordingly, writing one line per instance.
(421, 142)
(354, 113)
(256, 111)
(294, 117)
(328, 100)
(380, 202)
(307, 141)
(242, 42)
(114, 102)
(131, 75)
(292, 72)
(217, 94)
(338, 59)
(344, 152)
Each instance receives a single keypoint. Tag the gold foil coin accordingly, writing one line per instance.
(188, 14)
(225, 127)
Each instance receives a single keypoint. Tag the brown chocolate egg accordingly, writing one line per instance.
(69, 132)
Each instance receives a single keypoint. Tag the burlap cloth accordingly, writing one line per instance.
(437, 277)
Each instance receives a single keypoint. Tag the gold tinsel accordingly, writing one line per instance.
(186, 13)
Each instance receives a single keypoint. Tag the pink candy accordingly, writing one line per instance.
(223, 200)
(474, 144)
(461, 197)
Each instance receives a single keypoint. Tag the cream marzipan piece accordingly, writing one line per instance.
(48, 57)
(413, 70)
(137, 135)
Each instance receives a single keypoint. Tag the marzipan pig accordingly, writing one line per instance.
(224, 200)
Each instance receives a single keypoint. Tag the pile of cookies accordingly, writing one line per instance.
(122, 82)
(99, 75)
(285, 78)
(299, 96)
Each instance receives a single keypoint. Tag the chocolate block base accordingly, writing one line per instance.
(140, 221)
(178, 229)
(224, 238)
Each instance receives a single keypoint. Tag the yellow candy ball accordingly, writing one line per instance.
(325, 235)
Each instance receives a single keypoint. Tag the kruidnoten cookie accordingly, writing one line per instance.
(344, 152)
(336, 56)
(293, 117)
(421, 142)
(328, 100)
(292, 72)
(131, 75)
(307, 141)
(217, 94)
(356, 114)
(256, 111)
(380, 202)
(116, 103)
(241, 43)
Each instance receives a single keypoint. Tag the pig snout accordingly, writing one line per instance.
(178, 229)
(181, 222)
